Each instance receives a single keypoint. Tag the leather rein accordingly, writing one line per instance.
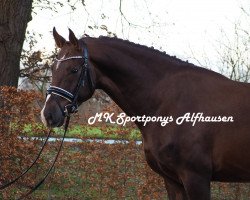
(69, 109)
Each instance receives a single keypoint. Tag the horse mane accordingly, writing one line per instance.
(136, 45)
(151, 49)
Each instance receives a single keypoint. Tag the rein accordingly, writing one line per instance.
(68, 110)
(34, 162)
(24, 172)
(53, 164)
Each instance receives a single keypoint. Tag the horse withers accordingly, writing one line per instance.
(146, 82)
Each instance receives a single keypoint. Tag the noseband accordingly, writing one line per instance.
(72, 98)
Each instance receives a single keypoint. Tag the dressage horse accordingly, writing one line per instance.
(144, 81)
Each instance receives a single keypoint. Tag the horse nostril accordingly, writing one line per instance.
(51, 115)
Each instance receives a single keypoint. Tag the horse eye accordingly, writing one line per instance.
(74, 70)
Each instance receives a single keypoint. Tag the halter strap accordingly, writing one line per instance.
(60, 92)
(84, 76)
(69, 58)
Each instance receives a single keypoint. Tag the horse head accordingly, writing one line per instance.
(72, 80)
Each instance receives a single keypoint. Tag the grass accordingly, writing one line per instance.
(86, 131)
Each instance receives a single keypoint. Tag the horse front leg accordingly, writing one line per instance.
(176, 191)
(197, 186)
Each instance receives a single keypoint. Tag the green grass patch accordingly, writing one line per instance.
(85, 131)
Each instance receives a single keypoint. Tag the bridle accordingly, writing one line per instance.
(68, 110)
(72, 97)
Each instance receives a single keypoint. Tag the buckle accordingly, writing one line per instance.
(70, 109)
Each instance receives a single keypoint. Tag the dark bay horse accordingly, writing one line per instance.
(144, 81)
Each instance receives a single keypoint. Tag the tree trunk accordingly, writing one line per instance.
(14, 17)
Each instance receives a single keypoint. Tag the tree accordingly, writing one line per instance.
(35, 70)
(14, 17)
(234, 52)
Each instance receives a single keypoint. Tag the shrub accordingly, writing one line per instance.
(16, 109)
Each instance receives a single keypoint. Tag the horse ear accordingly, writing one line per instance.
(72, 38)
(60, 41)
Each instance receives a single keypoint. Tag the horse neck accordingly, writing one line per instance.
(127, 73)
